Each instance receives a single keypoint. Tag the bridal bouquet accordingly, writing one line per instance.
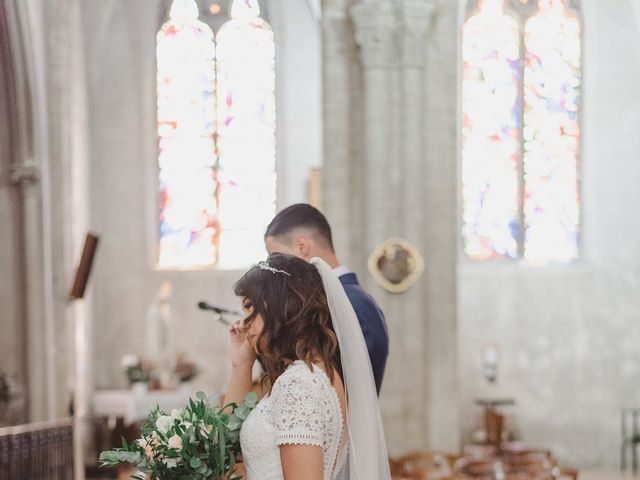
(200, 441)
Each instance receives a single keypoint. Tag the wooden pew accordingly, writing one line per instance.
(37, 451)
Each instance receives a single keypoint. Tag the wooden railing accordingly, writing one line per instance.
(37, 451)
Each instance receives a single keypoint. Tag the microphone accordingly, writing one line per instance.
(219, 309)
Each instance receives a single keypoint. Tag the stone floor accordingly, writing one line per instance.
(583, 475)
(601, 475)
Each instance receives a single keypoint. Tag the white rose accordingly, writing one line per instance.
(163, 424)
(129, 360)
(176, 414)
(175, 442)
(170, 462)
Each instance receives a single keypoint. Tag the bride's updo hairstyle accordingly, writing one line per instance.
(297, 321)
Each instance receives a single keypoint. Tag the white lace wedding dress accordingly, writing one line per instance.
(303, 408)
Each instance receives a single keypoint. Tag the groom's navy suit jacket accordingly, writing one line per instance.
(372, 322)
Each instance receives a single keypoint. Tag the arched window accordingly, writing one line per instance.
(216, 128)
(246, 131)
(520, 137)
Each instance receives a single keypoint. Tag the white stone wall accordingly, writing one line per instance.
(569, 335)
(299, 97)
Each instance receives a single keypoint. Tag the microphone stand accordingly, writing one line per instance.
(221, 318)
(219, 313)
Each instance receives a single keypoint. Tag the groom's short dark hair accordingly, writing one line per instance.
(300, 215)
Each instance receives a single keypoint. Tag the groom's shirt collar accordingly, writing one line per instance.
(341, 270)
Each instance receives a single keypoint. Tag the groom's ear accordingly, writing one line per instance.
(302, 246)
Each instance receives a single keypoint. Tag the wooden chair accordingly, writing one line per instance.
(475, 468)
(423, 466)
(479, 452)
(566, 474)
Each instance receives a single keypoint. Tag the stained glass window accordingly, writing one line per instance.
(520, 131)
(216, 158)
(246, 132)
(491, 143)
(551, 133)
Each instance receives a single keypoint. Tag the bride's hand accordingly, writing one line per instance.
(242, 352)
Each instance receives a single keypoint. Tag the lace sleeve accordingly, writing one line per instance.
(297, 410)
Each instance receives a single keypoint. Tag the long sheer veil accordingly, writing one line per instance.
(367, 455)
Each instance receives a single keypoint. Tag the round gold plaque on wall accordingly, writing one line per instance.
(396, 265)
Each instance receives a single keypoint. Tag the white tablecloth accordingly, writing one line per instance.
(134, 406)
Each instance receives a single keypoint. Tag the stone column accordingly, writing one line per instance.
(337, 50)
(432, 299)
(415, 21)
(416, 18)
(26, 175)
(68, 120)
(375, 33)
(31, 172)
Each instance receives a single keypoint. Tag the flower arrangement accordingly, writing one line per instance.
(200, 441)
(135, 369)
(185, 370)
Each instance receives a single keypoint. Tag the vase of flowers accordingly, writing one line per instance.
(197, 442)
(137, 371)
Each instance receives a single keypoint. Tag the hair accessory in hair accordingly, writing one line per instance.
(265, 266)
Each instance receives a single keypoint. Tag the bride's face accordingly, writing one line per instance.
(254, 329)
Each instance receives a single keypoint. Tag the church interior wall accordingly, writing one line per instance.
(120, 50)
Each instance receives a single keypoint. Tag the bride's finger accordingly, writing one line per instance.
(236, 327)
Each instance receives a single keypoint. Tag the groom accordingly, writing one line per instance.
(303, 231)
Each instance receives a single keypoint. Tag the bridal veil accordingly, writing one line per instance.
(367, 454)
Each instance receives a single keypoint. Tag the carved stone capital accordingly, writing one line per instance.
(416, 17)
(336, 34)
(375, 29)
(27, 173)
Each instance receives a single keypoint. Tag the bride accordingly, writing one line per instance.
(320, 418)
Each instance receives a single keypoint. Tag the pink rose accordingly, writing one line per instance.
(175, 442)
(148, 449)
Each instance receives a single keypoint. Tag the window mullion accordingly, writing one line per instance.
(521, 106)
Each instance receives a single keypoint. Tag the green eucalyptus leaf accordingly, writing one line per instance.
(234, 423)
(251, 400)
(242, 412)
(115, 457)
